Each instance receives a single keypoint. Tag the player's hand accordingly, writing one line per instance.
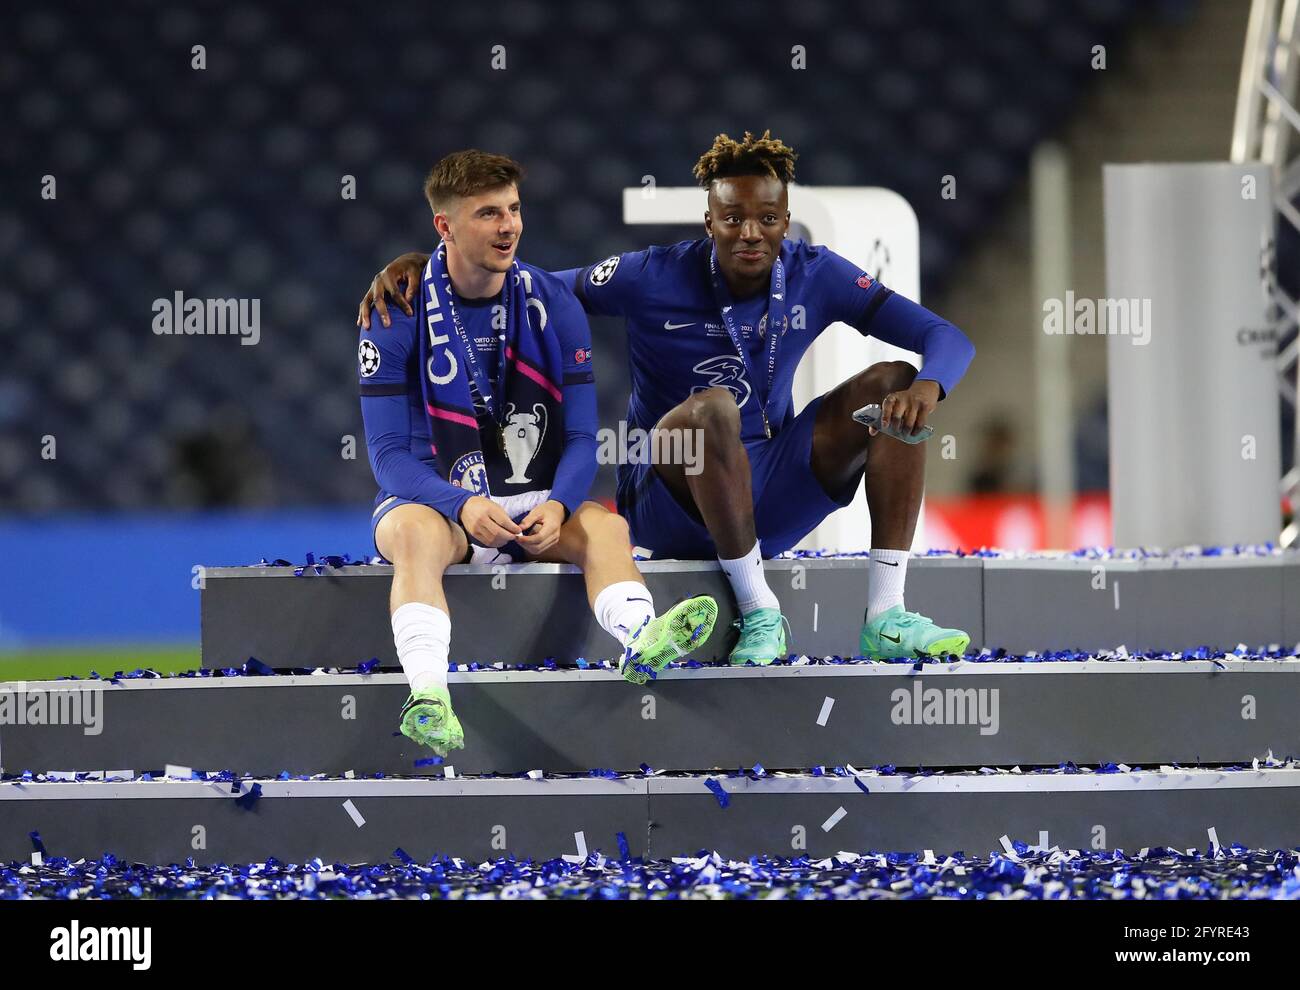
(908, 410)
(487, 522)
(542, 527)
(408, 267)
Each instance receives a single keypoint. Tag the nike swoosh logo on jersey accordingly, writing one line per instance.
(676, 326)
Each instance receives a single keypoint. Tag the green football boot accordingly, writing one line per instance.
(427, 719)
(896, 634)
(762, 638)
(668, 637)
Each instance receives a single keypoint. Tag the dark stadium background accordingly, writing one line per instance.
(225, 182)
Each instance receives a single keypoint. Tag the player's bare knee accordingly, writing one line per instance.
(613, 529)
(600, 526)
(895, 375)
(714, 412)
(420, 540)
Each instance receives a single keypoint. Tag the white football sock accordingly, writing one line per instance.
(886, 575)
(749, 582)
(422, 635)
(623, 607)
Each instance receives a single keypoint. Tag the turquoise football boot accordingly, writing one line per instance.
(896, 634)
(762, 638)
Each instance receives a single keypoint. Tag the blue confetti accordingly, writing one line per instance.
(246, 801)
(1162, 874)
(719, 791)
(623, 850)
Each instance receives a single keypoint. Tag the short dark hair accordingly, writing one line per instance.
(464, 173)
(728, 157)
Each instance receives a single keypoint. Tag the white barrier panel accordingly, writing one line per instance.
(1194, 409)
(877, 229)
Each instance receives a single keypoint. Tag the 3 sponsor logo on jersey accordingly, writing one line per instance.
(725, 371)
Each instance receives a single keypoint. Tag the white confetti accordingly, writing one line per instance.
(581, 841)
(834, 819)
(355, 815)
(825, 715)
(172, 770)
(449, 772)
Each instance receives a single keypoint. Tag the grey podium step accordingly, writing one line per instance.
(953, 714)
(295, 617)
(366, 820)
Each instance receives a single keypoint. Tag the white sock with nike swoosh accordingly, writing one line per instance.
(622, 608)
(886, 575)
(422, 635)
(749, 582)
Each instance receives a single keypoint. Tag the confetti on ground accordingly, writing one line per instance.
(1163, 874)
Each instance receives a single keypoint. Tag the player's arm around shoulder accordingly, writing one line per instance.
(383, 354)
(610, 287)
(567, 319)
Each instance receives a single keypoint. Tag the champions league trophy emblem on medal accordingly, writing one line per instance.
(523, 437)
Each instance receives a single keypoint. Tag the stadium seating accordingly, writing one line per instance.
(226, 182)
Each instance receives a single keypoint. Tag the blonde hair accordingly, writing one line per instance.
(728, 157)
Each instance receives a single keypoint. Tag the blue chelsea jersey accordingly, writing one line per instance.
(678, 345)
